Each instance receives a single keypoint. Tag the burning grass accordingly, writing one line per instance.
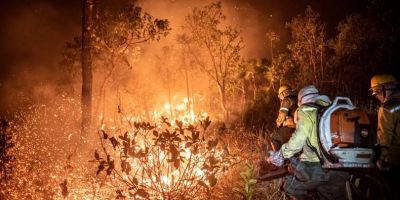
(164, 161)
(177, 159)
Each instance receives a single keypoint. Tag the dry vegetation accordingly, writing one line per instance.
(52, 163)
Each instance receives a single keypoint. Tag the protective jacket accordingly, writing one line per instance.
(329, 184)
(286, 111)
(305, 136)
(389, 129)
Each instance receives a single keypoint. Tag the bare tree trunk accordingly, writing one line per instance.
(253, 81)
(169, 94)
(243, 99)
(192, 89)
(86, 59)
(171, 114)
(272, 53)
(222, 94)
(187, 90)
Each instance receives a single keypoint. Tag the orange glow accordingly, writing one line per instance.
(182, 111)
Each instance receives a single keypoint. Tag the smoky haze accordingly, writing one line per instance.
(34, 33)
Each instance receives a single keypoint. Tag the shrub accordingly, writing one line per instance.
(163, 161)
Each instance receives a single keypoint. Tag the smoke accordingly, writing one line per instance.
(33, 35)
(240, 14)
(254, 18)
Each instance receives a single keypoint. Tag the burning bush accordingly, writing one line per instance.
(179, 159)
(164, 161)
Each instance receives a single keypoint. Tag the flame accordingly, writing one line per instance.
(169, 176)
(187, 153)
(182, 111)
(166, 180)
(199, 172)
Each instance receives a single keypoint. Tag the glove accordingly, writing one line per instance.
(276, 158)
(289, 122)
(280, 120)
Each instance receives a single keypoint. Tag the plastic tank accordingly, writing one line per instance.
(346, 136)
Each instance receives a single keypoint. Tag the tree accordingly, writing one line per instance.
(283, 70)
(166, 72)
(115, 34)
(309, 46)
(253, 73)
(351, 59)
(87, 30)
(366, 44)
(187, 66)
(273, 37)
(221, 48)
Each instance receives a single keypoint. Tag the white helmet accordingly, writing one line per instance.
(307, 93)
(310, 94)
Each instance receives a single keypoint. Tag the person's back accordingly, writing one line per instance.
(329, 184)
(305, 134)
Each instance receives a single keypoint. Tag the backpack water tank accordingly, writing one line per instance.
(346, 136)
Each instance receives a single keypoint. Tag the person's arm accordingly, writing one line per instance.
(283, 112)
(281, 118)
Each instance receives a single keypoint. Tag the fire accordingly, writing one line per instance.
(182, 111)
(153, 169)
(169, 176)
(164, 157)
(166, 180)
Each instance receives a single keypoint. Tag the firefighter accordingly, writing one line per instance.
(285, 119)
(384, 88)
(309, 175)
(288, 107)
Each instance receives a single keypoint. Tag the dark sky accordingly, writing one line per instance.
(34, 32)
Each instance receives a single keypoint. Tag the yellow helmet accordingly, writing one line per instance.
(283, 88)
(381, 79)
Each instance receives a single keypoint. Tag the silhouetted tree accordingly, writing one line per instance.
(308, 47)
(86, 59)
(366, 44)
(272, 37)
(221, 48)
(117, 35)
(116, 32)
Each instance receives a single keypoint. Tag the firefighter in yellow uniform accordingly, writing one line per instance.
(285, 120)
(288, 107)
(309, 175)
(384, 88)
